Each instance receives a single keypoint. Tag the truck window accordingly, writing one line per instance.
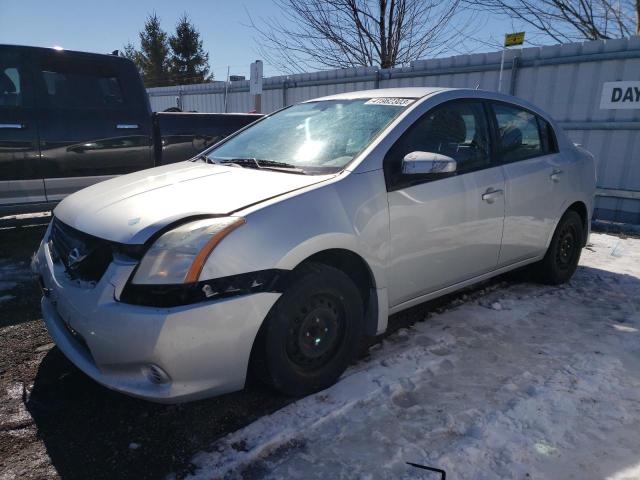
(81, 88)
(10, 88)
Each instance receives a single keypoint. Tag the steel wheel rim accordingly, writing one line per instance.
(567, 247)
(316, 332)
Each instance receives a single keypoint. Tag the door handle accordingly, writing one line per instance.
(491, 195)
(127, 126)
(13, 125)
(555, 175)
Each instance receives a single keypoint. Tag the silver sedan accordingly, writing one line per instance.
(279, 248)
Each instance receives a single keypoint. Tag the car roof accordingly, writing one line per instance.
(400, 92)
(422, 92)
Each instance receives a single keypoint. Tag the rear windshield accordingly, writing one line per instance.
(318, 137)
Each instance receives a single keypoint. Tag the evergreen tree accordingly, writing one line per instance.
(189, 62)
(129, 51)
(153, 57)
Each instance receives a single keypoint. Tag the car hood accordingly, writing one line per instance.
(131, 208)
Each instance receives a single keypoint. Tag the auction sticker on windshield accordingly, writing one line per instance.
(400, 102)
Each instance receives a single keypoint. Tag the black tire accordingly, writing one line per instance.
(312, 332)
(561, 260)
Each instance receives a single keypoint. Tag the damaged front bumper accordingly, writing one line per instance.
(161, 354)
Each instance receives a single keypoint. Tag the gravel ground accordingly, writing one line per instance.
(57, 423)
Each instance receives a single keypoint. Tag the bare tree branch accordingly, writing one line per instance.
(568, 20)
(311, 34)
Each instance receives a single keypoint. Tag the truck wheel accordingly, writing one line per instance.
(563, 254)
(312, 332)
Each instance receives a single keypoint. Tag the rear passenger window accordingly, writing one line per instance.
(10, 87)
(518, 133)
(81, 87)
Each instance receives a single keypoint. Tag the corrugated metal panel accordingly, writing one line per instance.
(564, 80)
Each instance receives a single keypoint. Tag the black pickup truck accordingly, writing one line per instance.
(70, 119)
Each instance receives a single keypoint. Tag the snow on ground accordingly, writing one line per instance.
(12, 273)
(24, 220)
(27, 216)
(519, 382)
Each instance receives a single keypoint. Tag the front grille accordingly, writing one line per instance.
(84, 256)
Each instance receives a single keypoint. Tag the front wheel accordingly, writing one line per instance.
(561, 260)
(312, 332)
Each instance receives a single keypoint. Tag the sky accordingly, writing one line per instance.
(106, 26)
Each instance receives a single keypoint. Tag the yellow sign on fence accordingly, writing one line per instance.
(511, 39)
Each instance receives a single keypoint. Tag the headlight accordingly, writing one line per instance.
(179, 255)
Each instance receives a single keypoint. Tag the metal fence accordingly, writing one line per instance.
(565, 80)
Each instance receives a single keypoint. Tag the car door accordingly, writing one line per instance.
(91, 129)
(533, 175)
(20, 177)
(444, 230)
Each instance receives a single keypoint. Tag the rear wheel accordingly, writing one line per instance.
(312, 332)
(561, 259)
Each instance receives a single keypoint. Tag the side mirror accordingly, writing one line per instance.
(421, 163)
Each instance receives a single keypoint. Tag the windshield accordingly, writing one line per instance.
(316, 137)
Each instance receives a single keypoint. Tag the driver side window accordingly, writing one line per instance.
(455, 129)
(10, 87)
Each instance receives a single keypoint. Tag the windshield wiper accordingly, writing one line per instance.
(242, 162)
(200, 157)
(251, 162)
